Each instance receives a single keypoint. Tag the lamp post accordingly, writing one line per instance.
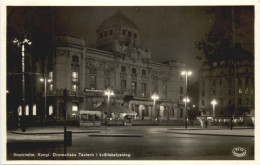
(213, 102)
(45, 91)
(154, 97)
(23, 43)
(186, 73)
(186, 100)
(109, 93)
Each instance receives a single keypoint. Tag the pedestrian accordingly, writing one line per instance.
(206, 123)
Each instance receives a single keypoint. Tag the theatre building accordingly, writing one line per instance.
(118, 63)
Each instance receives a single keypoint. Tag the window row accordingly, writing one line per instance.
(106, 33)
(123, 70)
(129, 33)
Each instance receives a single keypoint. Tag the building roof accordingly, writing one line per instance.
(117, 19)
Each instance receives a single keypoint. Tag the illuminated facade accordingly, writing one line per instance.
(118, 63)
(229, 82)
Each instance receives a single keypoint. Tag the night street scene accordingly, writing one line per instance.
(130, 83)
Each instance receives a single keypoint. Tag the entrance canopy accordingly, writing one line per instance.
(115, 109)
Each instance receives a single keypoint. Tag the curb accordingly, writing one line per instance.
(206, 128)
(48, 133)
(211, 134)
(114, 135)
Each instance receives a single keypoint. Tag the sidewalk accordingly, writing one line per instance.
(241, 132)
(46, 134)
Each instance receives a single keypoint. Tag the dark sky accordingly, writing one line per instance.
(170, 32)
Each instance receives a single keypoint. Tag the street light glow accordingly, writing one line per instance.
(186, 72)
(109, 92)
(155, 97)
(186, 100)
(49, 80)
(41, 79)
(214, 102)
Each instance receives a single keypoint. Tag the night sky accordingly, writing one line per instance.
(169, 32)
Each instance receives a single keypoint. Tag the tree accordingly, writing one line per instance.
(231, 25)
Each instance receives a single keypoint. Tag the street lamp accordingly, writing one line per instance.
(186, 73)
(186, 100)
(213, 102)
(154, 97)
(109, 93)
(45, 89)
(23, 43)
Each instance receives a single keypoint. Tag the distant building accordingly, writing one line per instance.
(118, 63)
(230, 81)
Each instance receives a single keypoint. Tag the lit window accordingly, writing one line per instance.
(51, 87)
(27, 110)
(50, 109)
(51, 76)
(143, 89)
(75, 107)
(246, 90)
(74, 88)
(133, 87)
(240, 91)
(19, 110)
(75, 76)
(34, 110)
